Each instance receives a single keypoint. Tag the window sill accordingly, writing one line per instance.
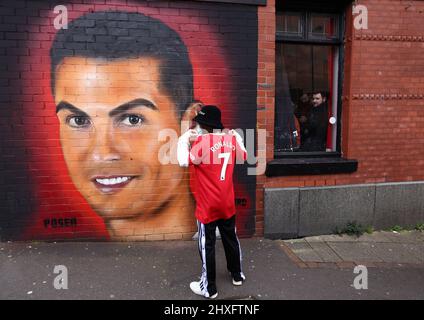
(310, 166)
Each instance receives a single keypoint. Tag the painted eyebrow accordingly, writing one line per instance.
(64, 105)
(132, 104)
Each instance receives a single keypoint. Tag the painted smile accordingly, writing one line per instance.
(112, 184)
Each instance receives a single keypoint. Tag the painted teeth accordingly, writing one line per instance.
(109, 182)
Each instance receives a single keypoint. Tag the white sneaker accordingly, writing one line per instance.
(238, 279)
(237, 283)
(196, 288)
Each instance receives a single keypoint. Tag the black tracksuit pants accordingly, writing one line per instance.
(206, 243)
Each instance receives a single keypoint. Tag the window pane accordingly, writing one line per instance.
(304, 104)
(323, 27)
(290, 24)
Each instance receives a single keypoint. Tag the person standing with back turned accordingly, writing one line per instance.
(214, 154)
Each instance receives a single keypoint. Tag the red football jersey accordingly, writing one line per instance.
(213, 157)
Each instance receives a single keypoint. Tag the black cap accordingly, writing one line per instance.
(211, 116)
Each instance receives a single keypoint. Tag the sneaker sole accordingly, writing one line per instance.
(237, 283)
(202, 295)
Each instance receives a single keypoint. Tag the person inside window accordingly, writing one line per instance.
(314, 135)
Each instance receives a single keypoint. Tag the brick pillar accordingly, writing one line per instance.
(266, 96)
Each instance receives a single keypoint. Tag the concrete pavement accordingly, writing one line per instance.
(163, 270)
(379, 249)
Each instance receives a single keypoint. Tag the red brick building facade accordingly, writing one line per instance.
(382, 108)
(257, 60)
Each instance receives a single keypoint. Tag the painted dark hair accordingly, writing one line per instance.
(115, 35)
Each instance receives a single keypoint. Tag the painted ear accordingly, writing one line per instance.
(191, 112)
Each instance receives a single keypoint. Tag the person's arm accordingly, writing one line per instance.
(241, 152)
(183, 148)
(198, 150)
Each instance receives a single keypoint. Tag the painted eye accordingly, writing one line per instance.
(132, 120)
(78, 121)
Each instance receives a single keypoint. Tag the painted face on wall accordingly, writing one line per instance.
(110, 114)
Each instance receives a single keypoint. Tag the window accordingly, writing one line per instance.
(290, 24)
(307, 83)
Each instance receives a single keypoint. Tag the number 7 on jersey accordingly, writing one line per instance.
(226, 156)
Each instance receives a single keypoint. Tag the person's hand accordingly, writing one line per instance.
(191, 112)
(235, 133)
(193, 135)
(188, 136)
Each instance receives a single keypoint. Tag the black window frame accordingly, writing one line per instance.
(279, 38)
(315, 163)
(305, 39)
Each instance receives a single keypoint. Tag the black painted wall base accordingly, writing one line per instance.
(310, 166)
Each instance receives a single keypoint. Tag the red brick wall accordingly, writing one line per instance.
(387, 97)
(382, 103)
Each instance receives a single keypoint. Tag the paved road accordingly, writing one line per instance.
(163, 270)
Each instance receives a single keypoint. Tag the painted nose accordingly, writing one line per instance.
(104, 154)
(105, 148)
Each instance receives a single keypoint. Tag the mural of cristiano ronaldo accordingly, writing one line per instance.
(118, 79)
